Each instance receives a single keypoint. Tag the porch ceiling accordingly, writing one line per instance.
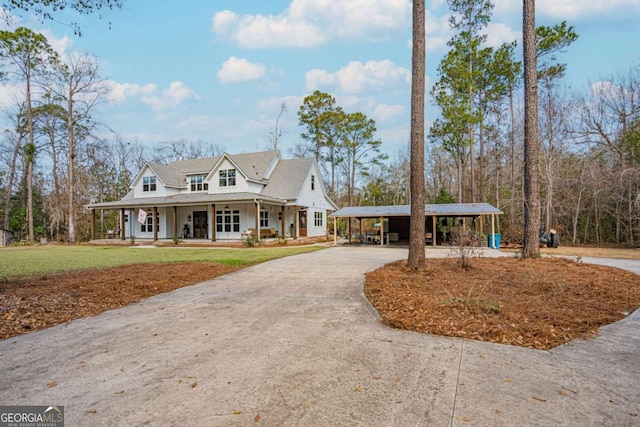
(186, 200)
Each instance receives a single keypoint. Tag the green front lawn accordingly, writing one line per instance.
(24, 261)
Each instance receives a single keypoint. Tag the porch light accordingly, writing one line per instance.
(189, 218)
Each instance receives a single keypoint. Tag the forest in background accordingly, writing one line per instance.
(57, 156)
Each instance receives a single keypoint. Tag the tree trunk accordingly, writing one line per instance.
(512, 183)
(12, 177)
(30, 155)
(72, 156)
(416, 228)
(531, 247)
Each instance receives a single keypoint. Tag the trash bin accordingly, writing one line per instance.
(493, 240)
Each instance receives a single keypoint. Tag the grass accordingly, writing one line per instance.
(26, 261)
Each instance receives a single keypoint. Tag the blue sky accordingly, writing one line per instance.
(219, 70)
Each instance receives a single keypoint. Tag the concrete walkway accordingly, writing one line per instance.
(294, 342)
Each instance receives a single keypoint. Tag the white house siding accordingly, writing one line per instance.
(255, 187)
(314, 201)
(161, 190)
(214, 180)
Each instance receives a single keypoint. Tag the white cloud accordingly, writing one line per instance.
(60, 45)
(357, 77)
(176, 94)
(437, 32)
(195, 122)
(385, 112)
(236, 70)
(602, 88)
(313, 22)
(271, 106)
(10, 94)
(568, 9)
(120, 92)
(498, 33)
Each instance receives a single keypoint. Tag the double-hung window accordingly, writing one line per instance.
(264, 219)
(317, 219)
(148, 183)
(227, 177)
(228, 221)
(198, 184)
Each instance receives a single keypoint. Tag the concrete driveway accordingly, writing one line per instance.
(294, 342)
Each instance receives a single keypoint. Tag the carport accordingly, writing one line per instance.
(394, 220)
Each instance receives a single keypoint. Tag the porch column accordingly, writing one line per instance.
(282, 221)
(295, 222)
(335, 231)
(122, 224)
(156, 224)
(381, 231)
(434, 236)
(213, 222)
(93, 224)
(257, 228)
(175, 223)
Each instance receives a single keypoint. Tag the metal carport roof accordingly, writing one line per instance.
(448, 209)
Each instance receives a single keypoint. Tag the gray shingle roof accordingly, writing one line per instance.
(174, 174)
(287, 178)
(449, 209)
(254, 165)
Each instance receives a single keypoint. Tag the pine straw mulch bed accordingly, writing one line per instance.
(32, 303)
(538, 304)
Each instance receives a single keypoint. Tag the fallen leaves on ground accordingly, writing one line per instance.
(31, 303)
(540, 303)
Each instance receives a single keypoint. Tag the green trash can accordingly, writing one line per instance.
(493, 239)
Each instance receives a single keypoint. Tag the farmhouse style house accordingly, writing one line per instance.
(224, 198)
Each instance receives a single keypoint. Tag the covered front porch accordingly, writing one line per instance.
(216, 219)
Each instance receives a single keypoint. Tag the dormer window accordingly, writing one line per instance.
(149, 183)
(197, 183)
(227, 177)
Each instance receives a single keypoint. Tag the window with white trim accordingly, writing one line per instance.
(197, 183)
(318, 219)
(313, 182)
(148, 183)
(147, 227)
(227, 177)
(264, 219)
(228, 220)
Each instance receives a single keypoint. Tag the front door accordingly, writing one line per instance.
(303, 223)
(200, 225)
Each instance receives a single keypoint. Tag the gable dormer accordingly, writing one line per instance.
(227, 177)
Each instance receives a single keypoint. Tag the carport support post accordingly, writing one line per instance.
(122, 224)
(335, 231)
(433, 233)
(493, 231)
(93, 224)
(381, 231)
